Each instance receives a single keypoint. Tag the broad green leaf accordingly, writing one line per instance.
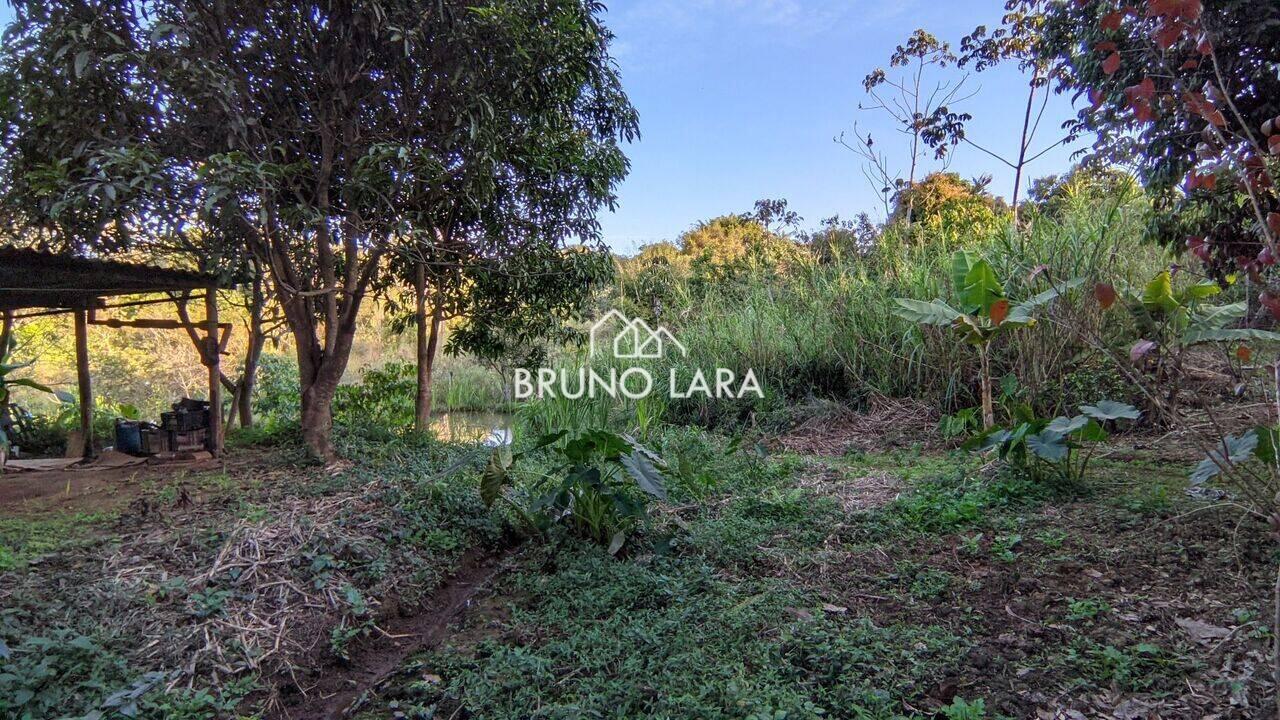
(1218, 316)
(986, 440)
(1039, 300)
(1024, 312)
(1066, 425)
(1268, 443)
(981, 287)
(1230, 451)
(1109, 410)
(1092, 432)
(929, 313)
(544, 441)
(1049, 446)
(1158, 294)
(1196, 336)
(961, 262)
(1201, 290)
(648, 477)
(1009, 385)
(972, 331)
(495, 475)
(615, 544)
(638, 447)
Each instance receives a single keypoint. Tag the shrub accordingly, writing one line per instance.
(591, 488)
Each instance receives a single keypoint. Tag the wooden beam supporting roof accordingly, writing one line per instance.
(34, 279)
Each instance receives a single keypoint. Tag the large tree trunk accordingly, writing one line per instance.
(317, 419)
(320, 368)
(422, 403)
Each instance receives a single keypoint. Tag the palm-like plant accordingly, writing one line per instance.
(984, 314)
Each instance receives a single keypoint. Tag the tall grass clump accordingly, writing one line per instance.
(823, 327)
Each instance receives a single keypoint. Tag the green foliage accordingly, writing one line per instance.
(960, 709)
(10, 379)
(713, 647)
(277, 392)
(591, 487)
(1138, 74)
(470, 130)
(984, 313)
(1056, 450)
(944, 504)
(51, 675)
(384, 395)
(1134, 668)
(947, 210)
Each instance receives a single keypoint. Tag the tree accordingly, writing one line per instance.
(1187, 91)
(922, 113)
(837, 239)
(519, 305)
(1019, 39)
(510, 297)
(312, 132)
(733, 242)
(1051, 195)
(945, 204)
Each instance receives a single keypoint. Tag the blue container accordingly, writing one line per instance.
(129, 437)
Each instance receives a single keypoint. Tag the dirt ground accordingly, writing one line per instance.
(114, 480)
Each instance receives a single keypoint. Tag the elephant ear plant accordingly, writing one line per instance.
(598, 485)
(1058, 449)
(984, 314)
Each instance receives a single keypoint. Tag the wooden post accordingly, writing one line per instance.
(215, 376)
(86, 385)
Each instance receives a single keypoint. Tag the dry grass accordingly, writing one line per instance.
(835, 430)
(266, 607)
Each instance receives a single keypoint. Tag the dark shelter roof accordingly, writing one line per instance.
(34, 279)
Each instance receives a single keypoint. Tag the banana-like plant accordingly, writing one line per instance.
(984, 313)
(8, 381)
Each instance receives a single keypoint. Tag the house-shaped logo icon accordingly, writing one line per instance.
(633, 338)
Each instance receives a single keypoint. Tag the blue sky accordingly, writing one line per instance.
(741, 99)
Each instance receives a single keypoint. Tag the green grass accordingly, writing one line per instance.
(23, 539)
(672, 639)
(765, 599)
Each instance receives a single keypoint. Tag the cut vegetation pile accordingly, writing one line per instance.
(228, 590)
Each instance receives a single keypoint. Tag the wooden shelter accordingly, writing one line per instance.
(42, 283)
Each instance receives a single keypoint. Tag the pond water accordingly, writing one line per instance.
(489, 428)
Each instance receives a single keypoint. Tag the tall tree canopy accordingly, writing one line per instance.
(323, 136)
